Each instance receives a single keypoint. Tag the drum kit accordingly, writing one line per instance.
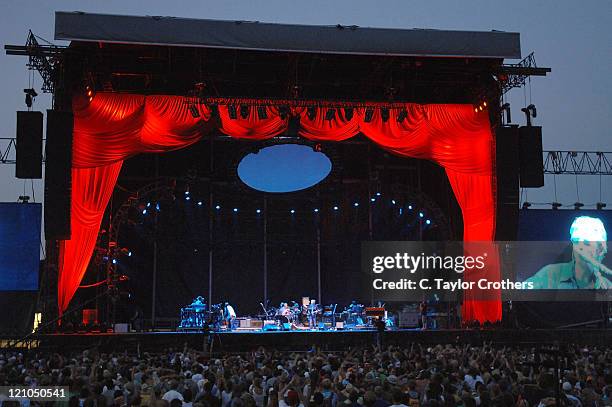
(196, 316)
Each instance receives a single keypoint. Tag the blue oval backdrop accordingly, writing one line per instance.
(284, 168)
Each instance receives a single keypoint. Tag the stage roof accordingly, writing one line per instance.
(254, 35)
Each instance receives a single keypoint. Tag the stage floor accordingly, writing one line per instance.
(240, 341)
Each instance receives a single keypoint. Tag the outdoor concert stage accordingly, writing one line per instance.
(325, 340)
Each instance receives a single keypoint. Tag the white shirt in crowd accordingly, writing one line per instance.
(171, 395)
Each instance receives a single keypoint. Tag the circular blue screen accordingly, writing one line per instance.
(284, 168)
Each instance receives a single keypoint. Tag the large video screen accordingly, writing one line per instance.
(19, 246)
(569, 252)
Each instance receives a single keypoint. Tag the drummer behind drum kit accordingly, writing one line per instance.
(196, 317)
(307, 315)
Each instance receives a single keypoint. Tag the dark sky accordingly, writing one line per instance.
(573, 38)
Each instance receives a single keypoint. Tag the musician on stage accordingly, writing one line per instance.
(313, 310)
(585, 271)
(229, 315)
(423, 311)
(198, 303)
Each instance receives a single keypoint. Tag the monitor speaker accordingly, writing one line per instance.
(28, 150)
(58, 175)
(530, 157)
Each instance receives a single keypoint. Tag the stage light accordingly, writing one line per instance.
(556, 205)
(244, 111)
(195, 113)
(148, 204)
(600, 206)
(428, 222)
(199, 203)
(421, 215)
(526, 205)
(534, 112)
(368, 115)
(233, 114)
(480, 108)
(292, 211)
(217, 207)
(373, 199)
(311, 112)
(330, 114)
(258, 211)
(144, 211)
(30, 96)
(393, 202)
(348, 113)
(129, 254)
(187, 198)
(506, 108)
(402, 115)
(401, 211)
(316, 210)
(356, 204)
(157, 207)
(410, 207)
(476, 109)
(384, 114)
(484, 103)
(235, 210)
(186, 192)
(261, 112)
(336, 208)
(530, 111)
(114, 261)
(578, 205)
(378, 194)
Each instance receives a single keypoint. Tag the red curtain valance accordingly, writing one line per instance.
(113, 127)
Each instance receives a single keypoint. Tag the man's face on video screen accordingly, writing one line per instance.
(589, 237)
(591, 250)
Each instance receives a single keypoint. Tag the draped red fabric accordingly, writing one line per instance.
(108, 130)
(114, 127)
(252, 127)
(91, 190)
(474, 194)
(454, 136)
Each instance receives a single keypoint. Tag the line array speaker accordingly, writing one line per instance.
(506, 163)
(531, 160)
(58, 175)
(28, 150)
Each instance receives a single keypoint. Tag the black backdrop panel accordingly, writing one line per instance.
(17, 311)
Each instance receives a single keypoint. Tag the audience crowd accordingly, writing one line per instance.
(411, 375)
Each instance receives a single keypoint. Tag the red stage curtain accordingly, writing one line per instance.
(91, 190)
(108, 130)
(114, 127)
(454, 136)
(252, 127)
